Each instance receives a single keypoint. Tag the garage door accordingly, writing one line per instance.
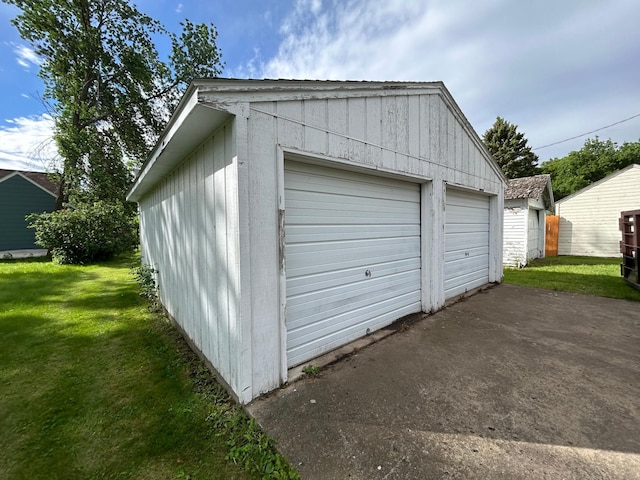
(352, 256)
(466, 264)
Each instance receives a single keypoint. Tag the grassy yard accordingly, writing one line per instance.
(93, 385)
(587, 275)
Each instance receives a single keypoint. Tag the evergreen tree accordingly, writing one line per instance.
(509, 149)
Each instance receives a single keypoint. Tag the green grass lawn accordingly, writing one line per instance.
(587, 275)
(94, 385)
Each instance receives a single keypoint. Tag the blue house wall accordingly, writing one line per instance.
(20, 197)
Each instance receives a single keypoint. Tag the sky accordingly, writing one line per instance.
(555, 68)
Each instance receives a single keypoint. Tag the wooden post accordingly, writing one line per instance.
(552, 224)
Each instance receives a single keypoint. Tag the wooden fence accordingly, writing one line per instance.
(552, 223)
(630, 247)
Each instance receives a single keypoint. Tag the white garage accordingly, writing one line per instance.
(287, 218)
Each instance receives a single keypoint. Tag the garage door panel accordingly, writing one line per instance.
(366, 258)
(361, 248)
(306, 305)
(466, 241)
(467, 214)
(316, 281)
(322, 233)
(326, 336)
(461, 280)
(339, 226)
(466, 265)
(312, 178)
(461, 242)
(352, 202)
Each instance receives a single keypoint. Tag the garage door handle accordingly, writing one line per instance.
(367, 273)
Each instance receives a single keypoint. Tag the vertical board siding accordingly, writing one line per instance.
(589, 219)
(416, 135)
(185, 235)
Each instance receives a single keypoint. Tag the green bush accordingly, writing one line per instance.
(87, 233)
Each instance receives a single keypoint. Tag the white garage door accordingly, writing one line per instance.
(352, 256)
(466, 264)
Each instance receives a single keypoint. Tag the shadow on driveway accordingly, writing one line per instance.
(513, 382)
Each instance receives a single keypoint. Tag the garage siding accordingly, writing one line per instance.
(466, 242)
(352, 256)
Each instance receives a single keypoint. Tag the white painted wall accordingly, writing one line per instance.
(188, 227)
(589, 218)
(213, 225)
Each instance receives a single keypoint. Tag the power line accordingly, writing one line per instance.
(588, 133)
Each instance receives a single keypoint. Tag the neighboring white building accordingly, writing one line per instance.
(287, 218)
(526, 201)
(589, 218)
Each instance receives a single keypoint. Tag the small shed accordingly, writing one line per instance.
(286, 218)
(526, 201)
(22, 193)
(589, 217)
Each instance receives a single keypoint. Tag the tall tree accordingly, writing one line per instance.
(510, 150)
(111, 92)
(594, 161)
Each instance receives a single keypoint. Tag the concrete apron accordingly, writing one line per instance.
(511, 383)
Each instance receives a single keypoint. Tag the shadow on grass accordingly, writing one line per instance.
(104, 404)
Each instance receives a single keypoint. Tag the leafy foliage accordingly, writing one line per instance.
(111, 93)
(89, 233)
(144, 275)
(594, 161)
(510, 150)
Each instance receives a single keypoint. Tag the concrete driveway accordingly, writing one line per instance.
(511, 383)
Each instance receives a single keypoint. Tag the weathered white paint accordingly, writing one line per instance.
(467, 241)
(352, 256)
(589, 218)
(211, 219)
(524, 231)
(188, 235)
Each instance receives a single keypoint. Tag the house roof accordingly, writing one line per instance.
(41, 179)
(594, 184)
(208, 103)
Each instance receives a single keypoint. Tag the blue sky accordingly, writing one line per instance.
(556, 68)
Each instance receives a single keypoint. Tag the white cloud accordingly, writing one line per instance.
(26, 57)
(26, 144)
(179, 8)
(557, 69)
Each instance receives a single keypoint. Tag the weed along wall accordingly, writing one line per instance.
(287, 218)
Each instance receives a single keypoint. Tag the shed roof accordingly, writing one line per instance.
(41, 179)
(527, 187)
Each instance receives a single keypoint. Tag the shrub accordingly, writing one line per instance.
(87, 233)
